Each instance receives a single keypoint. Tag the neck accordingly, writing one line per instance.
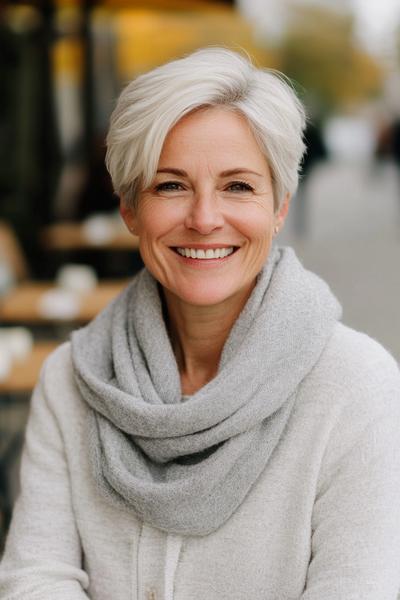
(198, 335)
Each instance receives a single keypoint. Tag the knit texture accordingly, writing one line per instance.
(152, 452)
(321, 523)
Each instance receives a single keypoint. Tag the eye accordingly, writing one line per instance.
(169, 186)
(239, 186)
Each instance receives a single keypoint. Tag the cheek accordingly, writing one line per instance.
(151, 221)
(159, 217)
(255, 224)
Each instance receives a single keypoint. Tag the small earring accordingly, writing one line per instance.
(276, 229)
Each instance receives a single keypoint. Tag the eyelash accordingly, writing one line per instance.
(167, 186)
(174, 185)
(243, 186)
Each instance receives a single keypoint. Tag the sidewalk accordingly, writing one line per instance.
(352, 239)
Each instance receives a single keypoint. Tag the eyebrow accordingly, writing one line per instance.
(228, 173)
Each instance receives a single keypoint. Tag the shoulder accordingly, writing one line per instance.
(56, 388)
(353, 391)
(359, 383)
(353, 360)
(57, 364)
(355, 383)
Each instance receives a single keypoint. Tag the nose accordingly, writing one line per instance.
(204, 214)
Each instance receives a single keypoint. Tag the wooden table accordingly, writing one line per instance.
(21, 305)
(24, 374)
(71, 236)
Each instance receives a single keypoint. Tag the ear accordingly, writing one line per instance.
(129, 216)
(281, 213)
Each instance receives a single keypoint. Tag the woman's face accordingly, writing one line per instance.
(206, 222)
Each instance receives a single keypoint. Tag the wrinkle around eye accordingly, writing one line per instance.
(262, 199)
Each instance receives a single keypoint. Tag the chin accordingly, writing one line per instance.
(209, 295)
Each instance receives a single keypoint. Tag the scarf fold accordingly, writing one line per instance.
(185, 467)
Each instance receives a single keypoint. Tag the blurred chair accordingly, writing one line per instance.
(11, 252)
(13, 268)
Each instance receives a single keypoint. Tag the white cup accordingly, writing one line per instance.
(59, 304)
(99, 229)
(19, 341)
(77, 279)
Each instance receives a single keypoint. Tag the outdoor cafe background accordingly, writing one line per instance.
(64, 253)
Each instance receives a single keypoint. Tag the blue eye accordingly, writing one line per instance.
(169, 186)
(240, 186)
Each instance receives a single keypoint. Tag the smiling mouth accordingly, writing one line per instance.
(206, 254)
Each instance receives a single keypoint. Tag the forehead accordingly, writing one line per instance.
(212, 134)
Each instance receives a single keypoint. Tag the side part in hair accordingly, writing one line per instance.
(154, 102)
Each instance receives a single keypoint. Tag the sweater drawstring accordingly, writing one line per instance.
(174, 545)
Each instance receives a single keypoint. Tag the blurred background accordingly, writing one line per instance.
(64, 253)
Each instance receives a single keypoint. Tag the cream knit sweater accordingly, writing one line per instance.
(321, 523)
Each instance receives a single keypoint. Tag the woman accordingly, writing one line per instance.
(216, 432)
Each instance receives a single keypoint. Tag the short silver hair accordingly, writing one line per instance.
(150, 105)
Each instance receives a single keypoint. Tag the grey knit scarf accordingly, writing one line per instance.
(186, 466)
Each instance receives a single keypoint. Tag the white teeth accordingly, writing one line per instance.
(205, 254)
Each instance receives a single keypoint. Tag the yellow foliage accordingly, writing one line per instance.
(146, 38)
(319, 51)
